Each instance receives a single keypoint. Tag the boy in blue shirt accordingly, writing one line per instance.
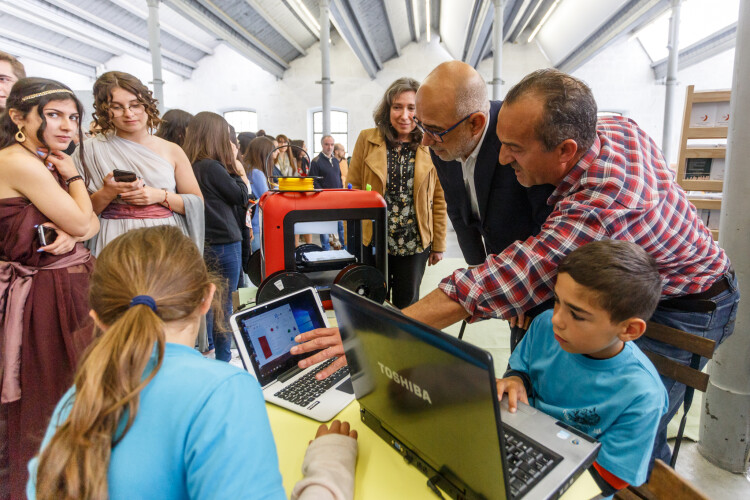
(577, 363)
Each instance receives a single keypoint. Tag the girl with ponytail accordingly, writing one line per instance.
(149, 416)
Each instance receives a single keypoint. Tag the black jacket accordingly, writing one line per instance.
(223, 194)
(507, 210)
(329, 170)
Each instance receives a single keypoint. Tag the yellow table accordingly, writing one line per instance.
(381, 473)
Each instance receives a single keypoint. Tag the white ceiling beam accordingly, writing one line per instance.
(714, 44)
(167, 28)
(257, 7)
(479, 22)
(344, 24)
(391, 27)
(33, 42)
(117, 30)
(186, 9)
(632, 15)
(66, 25)
(23, 50)
(242, 31)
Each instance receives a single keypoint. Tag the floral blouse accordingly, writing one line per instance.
(403, 233)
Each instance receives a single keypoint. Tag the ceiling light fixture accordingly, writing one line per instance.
(544, 20)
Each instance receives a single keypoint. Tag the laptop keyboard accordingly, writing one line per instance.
(305, 390)
(527, 462)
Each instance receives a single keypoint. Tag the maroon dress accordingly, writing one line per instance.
(56, 330)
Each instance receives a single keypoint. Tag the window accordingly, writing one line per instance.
(243, 120)
(339, 129)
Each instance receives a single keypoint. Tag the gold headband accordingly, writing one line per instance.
(46, 92)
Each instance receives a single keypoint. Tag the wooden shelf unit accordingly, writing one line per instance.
(687, 151)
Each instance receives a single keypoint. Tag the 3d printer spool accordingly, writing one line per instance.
(364, 280)
(253, 268)
(279, 284)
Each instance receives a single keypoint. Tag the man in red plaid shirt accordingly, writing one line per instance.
(611, 183)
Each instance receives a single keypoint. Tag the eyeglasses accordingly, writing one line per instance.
(438, 136)
(119, 110)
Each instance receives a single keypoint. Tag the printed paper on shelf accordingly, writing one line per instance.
(717, 169)
(703, 114)
(722, 114)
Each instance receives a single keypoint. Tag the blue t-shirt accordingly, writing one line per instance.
(618, 401)
(259, 185)
(201, 431)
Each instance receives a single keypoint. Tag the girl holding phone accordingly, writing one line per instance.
(165, 190)
(44, 287)
(148, 416)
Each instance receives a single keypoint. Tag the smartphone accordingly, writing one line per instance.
(124, 175)
(46, 235)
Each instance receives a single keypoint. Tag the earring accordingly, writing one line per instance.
(20, 136)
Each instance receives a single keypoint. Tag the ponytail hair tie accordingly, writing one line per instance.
(145, 300)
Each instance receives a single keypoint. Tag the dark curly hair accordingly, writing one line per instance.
(29, 86)
(103, 88)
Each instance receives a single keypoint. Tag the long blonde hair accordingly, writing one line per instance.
(160, 262)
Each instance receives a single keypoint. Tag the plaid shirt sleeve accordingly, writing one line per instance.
(523, 275)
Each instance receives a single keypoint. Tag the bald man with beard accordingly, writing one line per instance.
(489, 209)
(487, 205)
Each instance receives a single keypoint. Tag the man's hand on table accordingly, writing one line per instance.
(325, 340)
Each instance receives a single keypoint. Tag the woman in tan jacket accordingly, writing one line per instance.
(391, 161)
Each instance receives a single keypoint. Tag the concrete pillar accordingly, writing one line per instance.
(674, 49)
(325, 57)
(154, 44)
(725, 417)
(497, 48)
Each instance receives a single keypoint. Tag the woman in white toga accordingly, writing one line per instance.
(165, 192)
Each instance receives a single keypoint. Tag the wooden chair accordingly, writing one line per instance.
(689, 375)
(665, 484)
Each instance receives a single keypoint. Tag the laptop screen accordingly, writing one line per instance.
(430, 391)
(268, 332)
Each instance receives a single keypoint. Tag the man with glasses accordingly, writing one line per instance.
(487, 206)
(489, 209)
(11, 70)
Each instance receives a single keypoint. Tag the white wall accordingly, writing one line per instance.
(227, 80)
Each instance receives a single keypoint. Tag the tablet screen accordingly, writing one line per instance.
(268, 332)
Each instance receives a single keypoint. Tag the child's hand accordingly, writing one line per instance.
(336, 428)
(515, 389)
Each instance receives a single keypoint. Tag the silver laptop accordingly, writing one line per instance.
(433, 398)
(265, 333)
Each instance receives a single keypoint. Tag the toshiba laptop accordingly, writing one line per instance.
(265, 333)
(433, 398)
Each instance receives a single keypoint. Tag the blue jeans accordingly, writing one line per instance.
(324, 238)
(226, 261)
(716, 325)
